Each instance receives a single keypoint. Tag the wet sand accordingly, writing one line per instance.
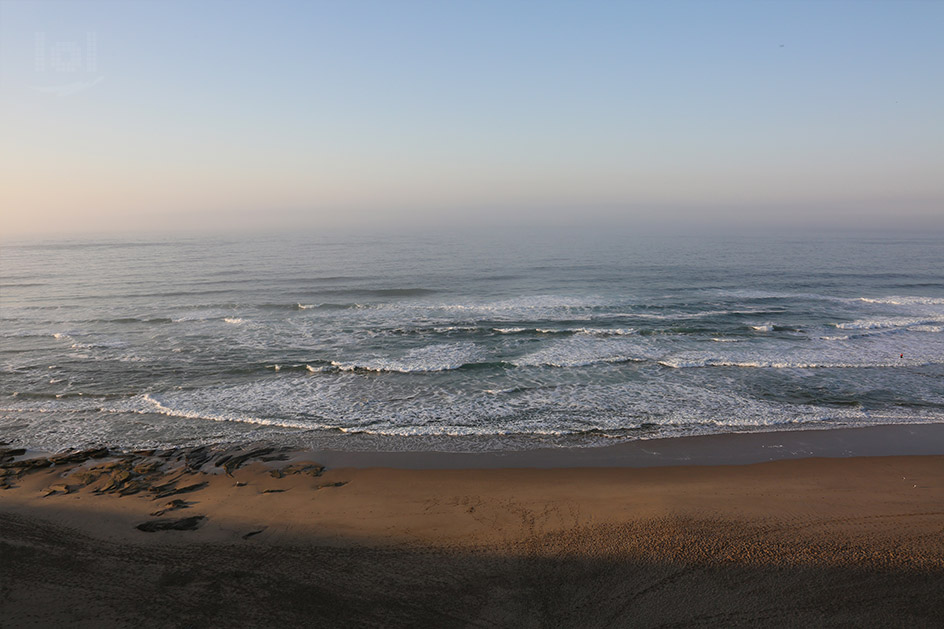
(264, 540)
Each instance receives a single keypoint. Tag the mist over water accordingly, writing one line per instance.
(480, 340)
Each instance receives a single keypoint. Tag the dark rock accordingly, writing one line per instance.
(338, 484)
(233, 463)
(274, 457)
(183, 524)
(312, 469)
(251, 533)
(173, 505)
(27, 464)
(59, 488)
(134, 487)
(182, 490)
(112, 465)
(147, 467)
(85, 478)
(79, 457)
(9, 454)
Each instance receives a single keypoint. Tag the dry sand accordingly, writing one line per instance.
(811, 542)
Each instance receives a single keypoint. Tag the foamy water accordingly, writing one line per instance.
(488, 342)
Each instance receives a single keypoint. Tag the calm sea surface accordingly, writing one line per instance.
(466, 342)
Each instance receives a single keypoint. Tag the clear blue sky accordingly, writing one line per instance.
(143, 115)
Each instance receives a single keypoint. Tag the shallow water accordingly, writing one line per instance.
(466, 342)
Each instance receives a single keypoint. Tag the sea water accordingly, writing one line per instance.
(466, 341)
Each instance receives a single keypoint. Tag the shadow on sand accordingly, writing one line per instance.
(52, 576)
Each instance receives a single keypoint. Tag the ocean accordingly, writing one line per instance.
(472, 341)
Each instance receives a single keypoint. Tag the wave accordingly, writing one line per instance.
(568, 331)
(309, 367)
(898, 300)
(158, 407)
(575, 362)
(234, 320)
(21, 284)
(872, 333)
(889, 323)
(580, 352)
(289, 306)
(130, 320)
(681, 363)
(322, 306)
(702, 314)
(426, 359)
(533, 307)
(761, 295)
(621, 410)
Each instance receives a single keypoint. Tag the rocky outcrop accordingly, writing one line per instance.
(127, 473)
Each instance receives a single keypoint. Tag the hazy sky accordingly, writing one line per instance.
(200, 114)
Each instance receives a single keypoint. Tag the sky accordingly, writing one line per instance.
(202, 115)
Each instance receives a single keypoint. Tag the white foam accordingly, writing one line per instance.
(899, 300)
(425, 359)
(606, 331)
(889, 323)
(866, 353)
(450, 328)
(580, 331)
(159, 407)
(764, 327)
(378, 406)
(678, 316)
(234, 320)
(534, 307)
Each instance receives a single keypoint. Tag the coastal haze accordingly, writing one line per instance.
(147, 117)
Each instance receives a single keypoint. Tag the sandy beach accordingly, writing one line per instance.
(259, 536)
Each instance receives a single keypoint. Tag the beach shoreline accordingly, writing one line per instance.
(729, 448)
(266, 536)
